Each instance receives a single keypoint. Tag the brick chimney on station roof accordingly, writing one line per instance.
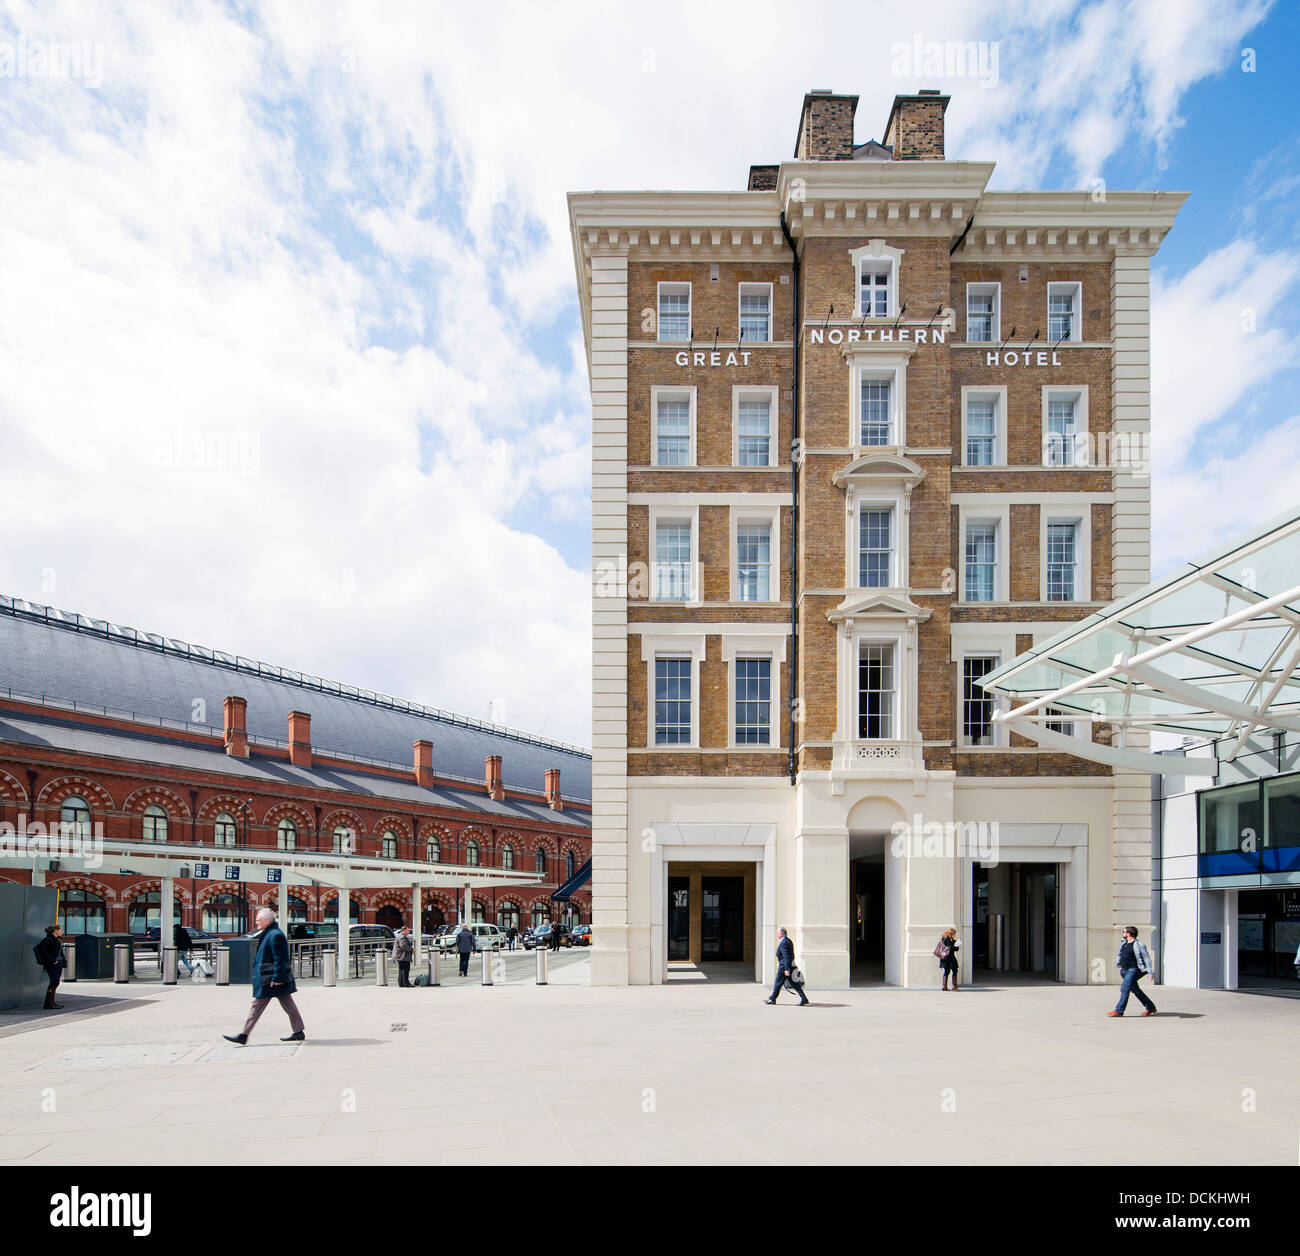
(915, 127)
(826, 127)
(236, 728)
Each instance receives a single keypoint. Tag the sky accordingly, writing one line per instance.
(290, 354)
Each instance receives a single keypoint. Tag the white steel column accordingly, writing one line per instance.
(468, 917)
(345, 933)
(417, 922)
(166, 912)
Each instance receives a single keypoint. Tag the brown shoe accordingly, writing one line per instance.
(1114, 1013)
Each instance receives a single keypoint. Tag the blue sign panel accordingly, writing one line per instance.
(273, 876)
(1211, 939)
(201, 871)
(232, 872)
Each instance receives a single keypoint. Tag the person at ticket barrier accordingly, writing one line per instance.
(184, 944)
(272, 979)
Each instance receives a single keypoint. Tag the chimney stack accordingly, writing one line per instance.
(826, 127)
(492, 770)
(553, 799)
(236, 710)
(915, 127)
(300, 739)
(424, 764)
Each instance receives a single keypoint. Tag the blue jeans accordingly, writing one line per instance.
(1128, 986)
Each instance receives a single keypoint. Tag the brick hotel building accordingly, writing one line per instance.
(855, 434)
(213, 761)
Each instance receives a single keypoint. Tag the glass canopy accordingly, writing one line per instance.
(1211, 650)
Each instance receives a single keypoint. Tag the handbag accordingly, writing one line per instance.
(942, 950)
(795, 978)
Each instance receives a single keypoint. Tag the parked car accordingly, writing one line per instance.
(541, 936)
(582, 935)
(486, 938)
(328, 931)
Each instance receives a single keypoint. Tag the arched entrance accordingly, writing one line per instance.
(390, 916)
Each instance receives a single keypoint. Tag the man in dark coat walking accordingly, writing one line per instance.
(272, 979)
(403, 953)
(184, 944)
(465, 945)
(49, 954)
(785, 969)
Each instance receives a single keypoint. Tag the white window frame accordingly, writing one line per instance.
(1081, 517)
(675, 393)
(999, 575)
(654, 647)
(878, 254)
(984, 289)
(894, 506)
(690, 310)
(674, 514)
(1082, 445)
(985, 392)
(1000, 516)
(1075, 289)
(897, 377)
(900, 716)
(749, 392)
(769, 516)
(749, 289)
(756, 646)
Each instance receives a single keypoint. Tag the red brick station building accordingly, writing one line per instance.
(155, 743)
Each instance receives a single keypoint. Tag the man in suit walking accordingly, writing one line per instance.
(785, 969)
(465, 945)
(1134, 963)
(272, 979)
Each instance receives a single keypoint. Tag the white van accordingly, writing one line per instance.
(486, 938)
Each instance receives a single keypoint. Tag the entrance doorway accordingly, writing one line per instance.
(710, 918)
(388, 915)
(867, 909)
(1268, 932)
(1016, 919)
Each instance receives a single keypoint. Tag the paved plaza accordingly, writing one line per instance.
(695, 1072)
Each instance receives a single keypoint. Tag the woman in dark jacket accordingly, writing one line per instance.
(948, 962)
(49, 954)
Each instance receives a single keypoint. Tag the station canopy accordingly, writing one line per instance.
(1210, 652)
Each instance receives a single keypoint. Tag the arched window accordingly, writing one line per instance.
(223, 829)
(286, 835)
(388, 844)
(540, 915)
(74, 818)
(507, 856)
(479, 913)
(568, 865)
(297, 909)
(571, 916)
(80, 911)
(225, 913)
(155, 823)
(344, 841)
(471, 853)
(433, 850)
(332, 910)
(541, 860)
(508, 916)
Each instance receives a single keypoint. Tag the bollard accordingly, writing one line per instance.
(541, 966)
(381, 968)
(169, 965)
(223, 965)
(330, 975)
(435, 966)
(69, 961)
(486, 956)
(121, 963)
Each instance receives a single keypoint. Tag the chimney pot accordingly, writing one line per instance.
(236, 710)
(424, 764)
(492, 777)
(553, 798)
(300, 739)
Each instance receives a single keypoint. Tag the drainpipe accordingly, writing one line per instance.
(794, 496)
